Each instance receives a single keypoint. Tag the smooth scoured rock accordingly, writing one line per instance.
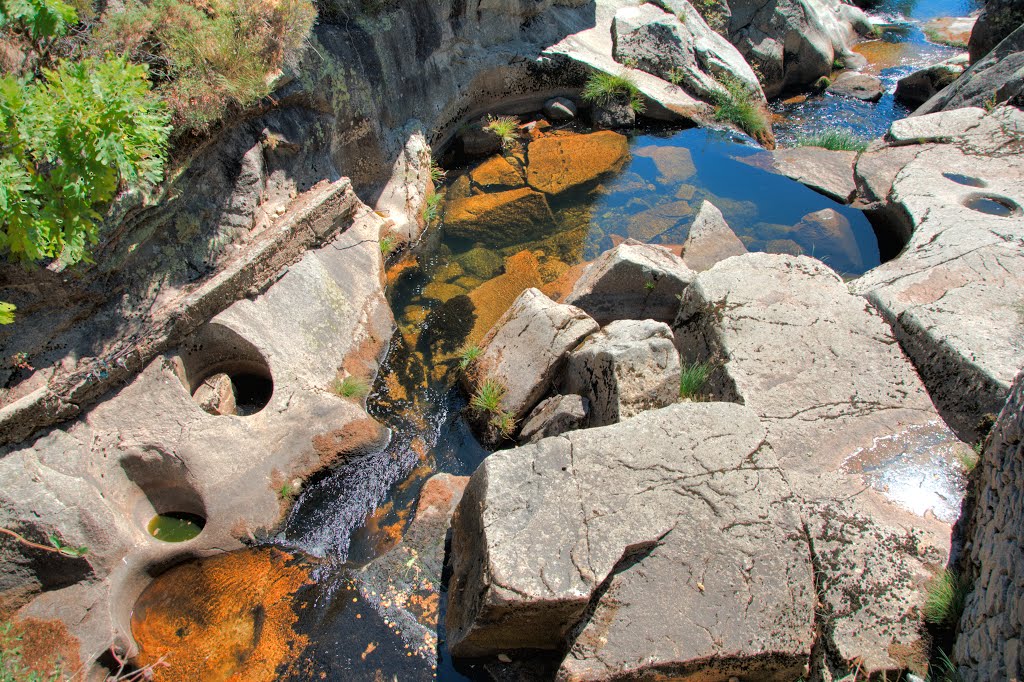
(823, 170)
(560, 109)
(992, 79)
(918, 87)
(561, 163)
(632, 281)
(710, 239)
(950, 295)
(624, 515)
(554, 416)
(528, 346)
(628, 367)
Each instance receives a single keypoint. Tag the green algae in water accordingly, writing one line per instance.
(176, 526)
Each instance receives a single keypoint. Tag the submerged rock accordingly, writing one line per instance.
(492, 298)
(526, 349)
(646, 544)
(830, 230)
(554, 416)
(564, 162)
(628, 367)
(500, 218)
(710, 239)
(632, 281)
(497, 172)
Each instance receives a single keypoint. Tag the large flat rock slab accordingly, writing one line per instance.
(952, 294)
(851, 424)
(823, 170)
(584, 535)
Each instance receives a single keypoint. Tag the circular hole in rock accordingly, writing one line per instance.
(176, 526)
(225, 373)
(965, 180)
(992, 205)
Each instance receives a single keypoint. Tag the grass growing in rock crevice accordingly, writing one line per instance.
(604, 89)
(835, 139)
(738, 105)
(506, 128)
(692, 380)
(488, 396)
(350, 387)
(947, 595)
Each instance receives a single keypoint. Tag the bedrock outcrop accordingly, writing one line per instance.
(571, 544)
(150, 448)
(950, 185)
(988, 645)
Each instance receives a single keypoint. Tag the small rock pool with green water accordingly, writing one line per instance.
(371, 608)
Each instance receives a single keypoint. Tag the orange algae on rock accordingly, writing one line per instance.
(492, 298)
(223, 618)
(559, 163)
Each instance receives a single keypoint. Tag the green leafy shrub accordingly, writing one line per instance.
(606, 88)
(947, 595)
(7, 312)
(488, 396)
(676, 76)
(350, 387)
(693, 378)
(835, 139)
(69, 142)
(38, 18)
(506, 128)
(737, 105)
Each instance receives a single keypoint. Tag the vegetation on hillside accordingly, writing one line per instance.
(89, 99)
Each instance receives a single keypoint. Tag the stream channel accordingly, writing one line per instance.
(337, 594)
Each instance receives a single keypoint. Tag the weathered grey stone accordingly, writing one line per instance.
(527, 347)
(477, 140)
(560, 109)
(988, 643)
(950, 296)
(626, 368)
(692, 538)
(632, 281)
(611, 115)
(861, 86)
(216, 395)
(918, 87)
(554, 416)
(680, 47)
(992, 79)
(710, 239)
(845, 413)
(998, 19)
(832, 231)
(823, 170)
(793, 42)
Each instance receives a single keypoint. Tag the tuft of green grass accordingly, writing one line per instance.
(945, 670)
(468, 355)
(605, 88)
(488, 397)
(737, 105)
(693, 378)
(835, 139)
(287, 491)
(947, 595)
(437, 174)
(506, 128)
(676, 76)
(387, 244)
(432, 207)
(350, 387)
(650, 285)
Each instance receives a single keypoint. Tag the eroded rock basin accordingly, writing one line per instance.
(368, 605)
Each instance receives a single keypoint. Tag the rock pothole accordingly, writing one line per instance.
(992, 204)
(224, 373)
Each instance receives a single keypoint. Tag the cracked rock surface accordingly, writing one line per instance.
(646, 535)
(855, 431)
(954, 293)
